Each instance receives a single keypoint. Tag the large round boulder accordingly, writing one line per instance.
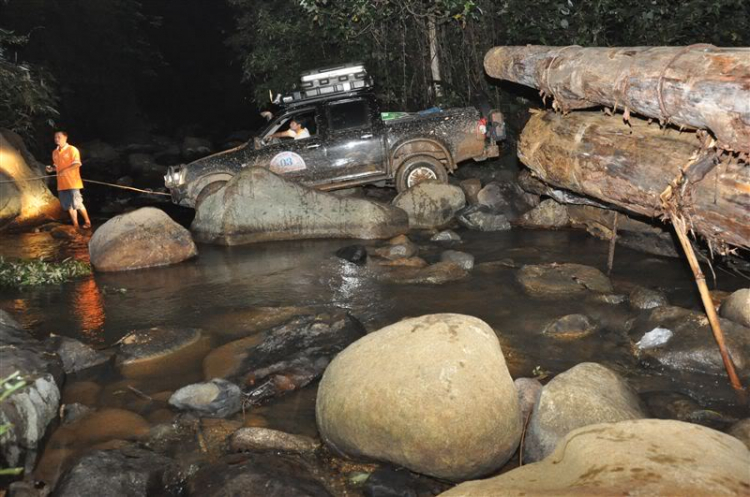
(584, 395)
(430, 204)
(642, 457)
(432, 394)
(143, 238)
(737, 307)
(258, 206)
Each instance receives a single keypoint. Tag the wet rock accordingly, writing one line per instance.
(159, 351)
(642, 457)
(584, 395)
(83, 392)
(99, 151)
(409, 262)
(143, 164)
(737, 307)
(560, 280)
(471, 188)
(102, 426)
(507, 198)
(529, 390)
(398, 248)
(690, 346)
(610, 298)
(387, 481)
(258, 475)
(432, 394)
(646, 298)
(284, 358)
(434, 274)
(31, 409)
(194, 148)
(356, 254)
(466, 261)
(74, 412)
(741, 431)
(129, 471)
(23, 202)
(430, 204)
(169, 155)
(216, 398)
(143, 238)
(238, 323)
(76, 356)
(239, 213)
(674, 405)
(446, 236)
(482, 218)
(572, 326)
(262, 439)
(548, 214)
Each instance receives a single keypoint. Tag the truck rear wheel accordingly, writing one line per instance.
(419, 169)
(207, 190)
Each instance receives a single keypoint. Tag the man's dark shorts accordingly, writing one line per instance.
(71, 199)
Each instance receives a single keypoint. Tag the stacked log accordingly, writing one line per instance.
(630, 165)
(700, 86)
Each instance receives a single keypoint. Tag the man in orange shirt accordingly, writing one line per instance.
(67, 161)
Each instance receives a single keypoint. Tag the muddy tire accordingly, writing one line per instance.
(210, 188)
(418, 169)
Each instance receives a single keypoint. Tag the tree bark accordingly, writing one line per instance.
(630, 165)
(434, 57)
(698, 86)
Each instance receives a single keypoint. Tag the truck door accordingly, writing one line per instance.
(355, 147)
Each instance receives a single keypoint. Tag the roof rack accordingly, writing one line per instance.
(327, 82)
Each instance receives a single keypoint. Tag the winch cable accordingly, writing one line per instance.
(104, 183)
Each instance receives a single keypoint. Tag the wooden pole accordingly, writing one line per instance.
(612, 243)
(680, 228)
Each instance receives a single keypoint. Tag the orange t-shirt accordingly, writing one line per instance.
(68, 163)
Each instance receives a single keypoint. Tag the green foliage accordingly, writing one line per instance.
(27, 273)
(27, 93)
(9, 385)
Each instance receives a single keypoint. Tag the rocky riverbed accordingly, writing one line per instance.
(202, 378)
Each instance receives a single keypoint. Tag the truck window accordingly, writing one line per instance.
(349, 115)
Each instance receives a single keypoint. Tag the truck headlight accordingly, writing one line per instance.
(175, 176)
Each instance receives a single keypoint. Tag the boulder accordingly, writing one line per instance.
(562, 280)
(529, 390)
(678, 339)
(284, 358)
(482, 218)
(99, 151)
(262, 439)
(356, 254)
(24, 202)
(159, 351)
(572, 326)
(506, 198)
(741, 431)
(641, 457)
(259, 475)
(31, 409)
(237, 323)
(584, 395)
(101, 426)
(548, 214)
(140, 239)
(466, 261)
(434, 274)
(471, 188)
(257, 205)
(645, 298)
(144, 164)
(446, 236)
(432, 394)
(194, 148)
(398, 248)
(737, 307)
(75, 355)
(216, 398)
(130, 471)
(430, 204)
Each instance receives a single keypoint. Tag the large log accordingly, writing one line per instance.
(631, 165)
(699, 86)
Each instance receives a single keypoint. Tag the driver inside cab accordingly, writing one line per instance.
(297, 130)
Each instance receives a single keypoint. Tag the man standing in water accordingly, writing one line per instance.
(67, 162)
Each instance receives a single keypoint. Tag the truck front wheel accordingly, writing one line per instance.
(207, 190)
(419, 169)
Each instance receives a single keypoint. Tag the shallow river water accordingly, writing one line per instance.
(212, 290)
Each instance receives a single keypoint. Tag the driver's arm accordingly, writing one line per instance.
(283, 134)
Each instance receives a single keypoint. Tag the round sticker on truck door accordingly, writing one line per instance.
(286, 162)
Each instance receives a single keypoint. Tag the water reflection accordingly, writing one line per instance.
(88, 308)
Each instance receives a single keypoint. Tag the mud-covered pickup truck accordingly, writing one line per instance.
(351, 143)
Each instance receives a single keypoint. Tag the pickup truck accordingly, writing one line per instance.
(350, 144)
